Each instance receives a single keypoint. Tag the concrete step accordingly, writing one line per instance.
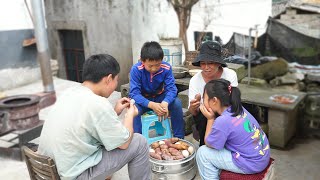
(184, 97)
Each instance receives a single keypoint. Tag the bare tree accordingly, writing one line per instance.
(207, 18)
(183, 10)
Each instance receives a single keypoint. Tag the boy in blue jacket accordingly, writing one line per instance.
(152, 86)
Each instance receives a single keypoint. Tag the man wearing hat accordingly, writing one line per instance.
(213, 67)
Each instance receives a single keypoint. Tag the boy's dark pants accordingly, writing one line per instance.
(175, 111)
(201, 125)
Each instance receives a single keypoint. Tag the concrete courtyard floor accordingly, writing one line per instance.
(301, 160)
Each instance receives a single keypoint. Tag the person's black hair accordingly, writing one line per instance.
(98, 66)
(228, 95)
(151, 51)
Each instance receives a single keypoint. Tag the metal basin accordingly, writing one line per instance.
(18, 112)
(183, 169)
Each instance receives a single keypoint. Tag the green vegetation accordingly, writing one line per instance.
(306, 52)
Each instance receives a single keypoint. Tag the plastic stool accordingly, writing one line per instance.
(147, 119)
(266, 174)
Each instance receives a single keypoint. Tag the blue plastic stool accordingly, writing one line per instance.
(147, 119)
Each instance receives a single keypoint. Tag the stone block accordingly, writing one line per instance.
(288, 78)
(184, 97)
(282, 126)
(290, 82)
(182, 87)
(312, 106)
(277, 137)
(270, 69)
(281, 136)
(277, 118)
(186, 112)
(312, 122)
(285, 17)
(312, 87)
(264, 127)
(188, 122)
(255, 82)
(291, 11)
(124, 89)
(313, 76)
(239, 69)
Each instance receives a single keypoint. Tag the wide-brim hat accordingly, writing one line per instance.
(209, 51)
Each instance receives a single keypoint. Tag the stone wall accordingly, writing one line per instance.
(105, 26)
(16, 77)
(12, 53)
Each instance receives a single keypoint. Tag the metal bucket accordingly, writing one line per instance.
(172, 50)
(183, 169)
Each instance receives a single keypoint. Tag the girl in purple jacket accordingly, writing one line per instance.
(234, 140)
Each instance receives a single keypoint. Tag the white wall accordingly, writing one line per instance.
(156, 18)
(14, 15)
(151, 19)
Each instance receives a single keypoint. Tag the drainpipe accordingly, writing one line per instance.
(42, 45)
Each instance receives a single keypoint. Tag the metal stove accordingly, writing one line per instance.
(19, 122)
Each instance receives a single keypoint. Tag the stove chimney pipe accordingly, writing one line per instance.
(42, 45)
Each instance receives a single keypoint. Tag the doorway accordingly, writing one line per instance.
(73, 53)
